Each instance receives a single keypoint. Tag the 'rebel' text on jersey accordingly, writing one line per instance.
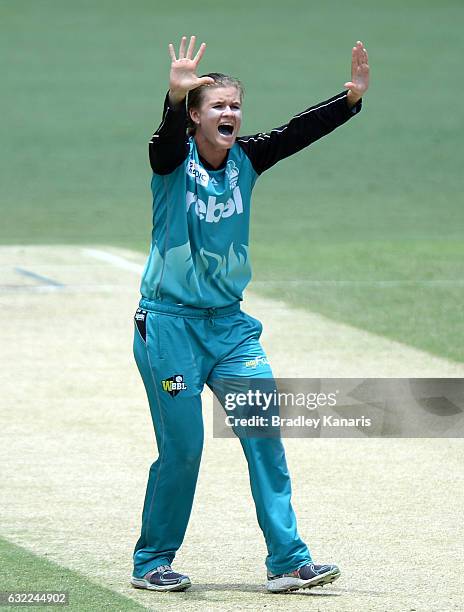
(213, 209)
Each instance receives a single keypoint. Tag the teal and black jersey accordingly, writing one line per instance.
(199, 251)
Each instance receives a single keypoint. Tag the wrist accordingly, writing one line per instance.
(176, 96)
(352, 98)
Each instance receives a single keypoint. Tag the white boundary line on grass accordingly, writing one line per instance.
(116, 260)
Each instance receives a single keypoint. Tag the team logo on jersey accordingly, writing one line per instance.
(198, 173)
(213, 211)
(232, 173)
(174, 385)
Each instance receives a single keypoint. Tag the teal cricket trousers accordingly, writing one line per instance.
(177, 350)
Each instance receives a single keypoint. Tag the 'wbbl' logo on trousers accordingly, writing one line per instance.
(174, 385)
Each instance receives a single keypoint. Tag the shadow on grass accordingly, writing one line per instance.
(197, 590)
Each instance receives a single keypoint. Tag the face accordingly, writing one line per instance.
(219, 117)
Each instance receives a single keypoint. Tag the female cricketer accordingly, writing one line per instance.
(189, 328)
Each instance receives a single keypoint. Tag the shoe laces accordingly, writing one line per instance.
(163, 568)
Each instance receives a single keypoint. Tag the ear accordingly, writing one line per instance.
(194, 116)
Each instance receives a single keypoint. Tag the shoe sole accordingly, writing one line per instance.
(284, 585)
(141, 583)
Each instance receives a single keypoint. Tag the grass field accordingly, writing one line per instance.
(378, 203)
(77, 442)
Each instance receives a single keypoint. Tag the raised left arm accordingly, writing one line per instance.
(266, 149)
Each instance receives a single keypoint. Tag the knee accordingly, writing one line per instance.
(184, 455)
(191, 460)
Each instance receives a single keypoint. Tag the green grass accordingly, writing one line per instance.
(23, 571)
(379, 200)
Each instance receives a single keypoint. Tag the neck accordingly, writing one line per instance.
(213, 155)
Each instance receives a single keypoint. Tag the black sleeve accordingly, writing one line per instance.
(168, 147)
(266, 149)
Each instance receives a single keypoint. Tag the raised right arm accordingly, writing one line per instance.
(168, 146)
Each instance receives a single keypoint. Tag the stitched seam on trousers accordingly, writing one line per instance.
(161, 450)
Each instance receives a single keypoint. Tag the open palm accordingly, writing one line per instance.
(183, 75)
(359, 71)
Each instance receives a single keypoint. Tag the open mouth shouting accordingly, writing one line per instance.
(226, 129)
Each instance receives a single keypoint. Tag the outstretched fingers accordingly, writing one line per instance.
(356, 55)
(365, 57)
(187, 54)
(359, 55)
(183, 42)
(200, 52)
(191, 47)
(354, 61)
(182, 76)
(172, 53)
